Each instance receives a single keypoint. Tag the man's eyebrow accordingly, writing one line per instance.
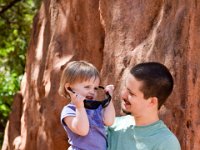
(86, 85)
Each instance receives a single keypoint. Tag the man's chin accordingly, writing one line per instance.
(125, 112)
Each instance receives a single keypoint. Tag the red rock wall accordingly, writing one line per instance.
(112, 35)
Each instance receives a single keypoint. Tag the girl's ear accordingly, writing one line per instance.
(67, 95)
(66, 86)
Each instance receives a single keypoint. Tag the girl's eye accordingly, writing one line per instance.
(96, 88)
(87, 87)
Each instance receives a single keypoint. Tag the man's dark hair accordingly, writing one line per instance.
(156, 78)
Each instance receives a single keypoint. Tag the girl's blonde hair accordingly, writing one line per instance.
(77, 71)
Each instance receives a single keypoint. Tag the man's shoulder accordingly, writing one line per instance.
(168, 140)
(120, 134)
(123, 122)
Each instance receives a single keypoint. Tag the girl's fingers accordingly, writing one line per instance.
(110, 89)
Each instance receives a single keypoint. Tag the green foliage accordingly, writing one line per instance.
(15, 27)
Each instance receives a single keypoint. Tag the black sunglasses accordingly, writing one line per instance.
(93, 104)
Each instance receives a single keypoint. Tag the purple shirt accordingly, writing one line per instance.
(96, 137)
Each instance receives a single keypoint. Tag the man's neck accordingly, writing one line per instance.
(147, 120)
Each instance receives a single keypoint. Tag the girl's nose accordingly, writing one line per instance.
(92, 91)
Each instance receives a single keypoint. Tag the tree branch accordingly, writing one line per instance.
(11, 4)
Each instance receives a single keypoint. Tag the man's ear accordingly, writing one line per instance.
(153, 101)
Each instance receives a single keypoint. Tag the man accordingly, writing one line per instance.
(147, 86)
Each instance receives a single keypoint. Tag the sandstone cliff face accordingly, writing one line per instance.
(113, 35)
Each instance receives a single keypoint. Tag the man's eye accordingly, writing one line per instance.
(131, 94)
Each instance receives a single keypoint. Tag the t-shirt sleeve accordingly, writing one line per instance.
(68, 111)
(171, 143)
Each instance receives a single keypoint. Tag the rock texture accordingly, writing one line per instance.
(113, 35)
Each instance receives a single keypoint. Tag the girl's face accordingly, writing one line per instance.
(87, 89)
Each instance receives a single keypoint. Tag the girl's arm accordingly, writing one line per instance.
(78, 124)
(109, 111)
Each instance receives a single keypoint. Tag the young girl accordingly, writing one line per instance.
(84, 117)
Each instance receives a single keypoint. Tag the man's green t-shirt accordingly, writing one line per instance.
(124, 135)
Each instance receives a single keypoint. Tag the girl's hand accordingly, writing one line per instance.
(110, 88)
(76, 99)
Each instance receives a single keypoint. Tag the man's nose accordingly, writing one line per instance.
(124, 93)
